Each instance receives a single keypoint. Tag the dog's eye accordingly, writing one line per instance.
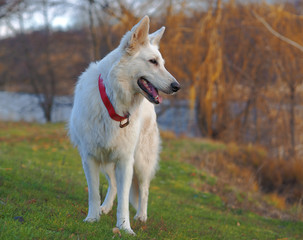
(153, 61)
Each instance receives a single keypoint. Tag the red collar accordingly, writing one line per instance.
(110, 109)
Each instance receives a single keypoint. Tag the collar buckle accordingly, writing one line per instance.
(123, 125)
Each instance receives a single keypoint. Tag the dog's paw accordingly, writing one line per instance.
(129, 231)
(104, 209)
(125, 226)
(91, 219)
(142, 217)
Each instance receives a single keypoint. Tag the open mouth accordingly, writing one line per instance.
(150, 92)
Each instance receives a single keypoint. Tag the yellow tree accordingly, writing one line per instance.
(288, 60)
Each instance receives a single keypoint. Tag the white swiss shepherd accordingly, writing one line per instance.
(132, 74)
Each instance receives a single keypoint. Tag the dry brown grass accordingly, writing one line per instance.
(248, 179)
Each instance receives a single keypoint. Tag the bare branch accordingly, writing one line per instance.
(275, 33)
(8, 8)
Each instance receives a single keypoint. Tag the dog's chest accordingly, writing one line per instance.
(111, 143)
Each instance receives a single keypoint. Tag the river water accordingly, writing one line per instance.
(172, 116)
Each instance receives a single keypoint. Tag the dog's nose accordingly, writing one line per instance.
(175, 86)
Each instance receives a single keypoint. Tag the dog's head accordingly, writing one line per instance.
(145, 64)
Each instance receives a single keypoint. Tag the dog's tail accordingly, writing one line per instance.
(134, 193)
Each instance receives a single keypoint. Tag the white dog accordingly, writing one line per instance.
(114, 126)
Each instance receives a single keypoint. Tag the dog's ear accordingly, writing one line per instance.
(156, 36)
(139, 35)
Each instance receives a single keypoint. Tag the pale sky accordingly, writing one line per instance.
(59, 19)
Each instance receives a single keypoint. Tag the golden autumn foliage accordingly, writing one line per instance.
(239, 63)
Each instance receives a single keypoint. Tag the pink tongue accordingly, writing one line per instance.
(159, 99)
(155, 94)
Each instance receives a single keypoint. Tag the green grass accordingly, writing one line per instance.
(42, 181)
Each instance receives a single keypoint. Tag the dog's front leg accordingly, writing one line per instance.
(92, 170)
(124, 174)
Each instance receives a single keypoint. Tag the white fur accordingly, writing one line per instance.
(102, 144)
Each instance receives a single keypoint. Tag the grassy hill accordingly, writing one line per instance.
(43, 194)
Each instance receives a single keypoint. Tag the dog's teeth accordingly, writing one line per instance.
(145, 84)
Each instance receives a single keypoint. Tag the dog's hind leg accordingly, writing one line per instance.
(143, 199)
(134, 192)
(92, 170)
(109, 171)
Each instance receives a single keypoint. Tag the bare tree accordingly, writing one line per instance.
(287, 69)
(39, 69)
(8, 7)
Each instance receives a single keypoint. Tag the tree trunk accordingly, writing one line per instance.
(93, 31)
(292, 123)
